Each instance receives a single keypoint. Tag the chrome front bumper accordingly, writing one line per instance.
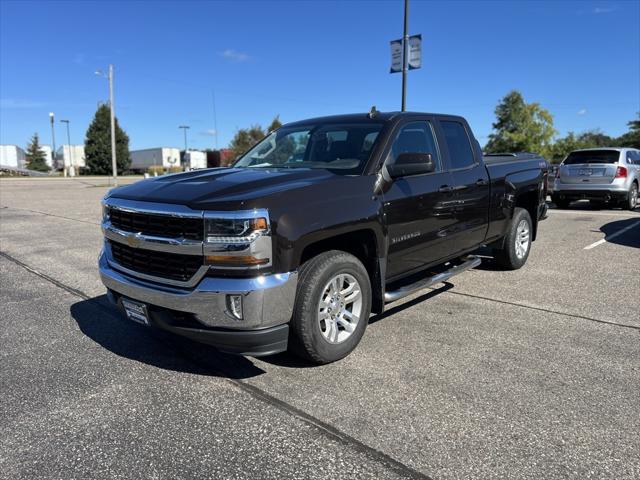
(267, 299)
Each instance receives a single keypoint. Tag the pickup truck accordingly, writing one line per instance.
(321, 223)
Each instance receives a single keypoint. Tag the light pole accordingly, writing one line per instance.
(69, 147)
(405, 48)
(185, 128)
(114, 166)
(53, 141)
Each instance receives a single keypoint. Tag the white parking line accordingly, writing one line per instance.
(628, 214)
(612, 236)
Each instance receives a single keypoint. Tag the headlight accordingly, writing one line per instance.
(105, 213)
(237, 239)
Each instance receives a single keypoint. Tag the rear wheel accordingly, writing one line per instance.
(517, 243)
(561, 202)
(632, 200)
(332, 308)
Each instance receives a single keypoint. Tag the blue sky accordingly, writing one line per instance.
(580, 60)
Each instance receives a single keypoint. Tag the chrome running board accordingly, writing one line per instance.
(470, 261)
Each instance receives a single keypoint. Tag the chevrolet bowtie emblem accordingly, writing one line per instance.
(134, 240)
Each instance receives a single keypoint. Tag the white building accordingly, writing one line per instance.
(165, 157)
(194, 159)
(70, 157)
(48, 155)
(12, 156)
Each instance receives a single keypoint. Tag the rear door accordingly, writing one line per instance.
(470, 185)
(590, 167)
(418, 208)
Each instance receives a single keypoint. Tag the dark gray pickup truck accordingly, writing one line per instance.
(321, 223)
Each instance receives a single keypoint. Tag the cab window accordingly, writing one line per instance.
(415, 137)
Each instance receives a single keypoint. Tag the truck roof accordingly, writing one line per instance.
(362, 117)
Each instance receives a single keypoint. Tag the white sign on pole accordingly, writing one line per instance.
(415, 52)
(396, 56)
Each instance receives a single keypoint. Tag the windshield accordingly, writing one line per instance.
(592, 156)
(342, 148)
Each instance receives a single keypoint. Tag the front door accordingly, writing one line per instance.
(417, 208)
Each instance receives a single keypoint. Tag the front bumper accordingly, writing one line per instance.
(201, 313)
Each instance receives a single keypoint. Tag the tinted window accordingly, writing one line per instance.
(416, 137)
(458, 144)
(592, 156)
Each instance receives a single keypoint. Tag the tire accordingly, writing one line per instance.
(315, 335)
(632, 199)
(561, 202)
(511, 256)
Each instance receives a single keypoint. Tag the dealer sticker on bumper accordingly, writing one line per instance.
(136, 311)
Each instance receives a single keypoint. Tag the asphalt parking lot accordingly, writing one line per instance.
(526, 374)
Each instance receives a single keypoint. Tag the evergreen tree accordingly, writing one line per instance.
(521, 127)
(97, 144)
(36, 157)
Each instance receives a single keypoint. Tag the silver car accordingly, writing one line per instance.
(602, 175)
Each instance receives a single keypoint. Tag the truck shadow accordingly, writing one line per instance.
(630, 238)
(105, 325)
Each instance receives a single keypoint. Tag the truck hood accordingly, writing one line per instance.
(223, 188)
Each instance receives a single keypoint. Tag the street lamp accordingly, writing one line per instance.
(53, 141)
(70, 152)
(114, 166)
(185, 128)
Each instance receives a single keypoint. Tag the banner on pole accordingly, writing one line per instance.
(415, 54)
(415, 51)
(396, 56)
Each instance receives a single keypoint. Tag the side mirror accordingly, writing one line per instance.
(407, 164)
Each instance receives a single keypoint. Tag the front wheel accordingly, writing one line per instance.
(517, 243)
(332, 307)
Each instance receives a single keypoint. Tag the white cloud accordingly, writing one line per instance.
(234, 55)
(582, 111)
(601, 10)
(19, 103)
(208, 133)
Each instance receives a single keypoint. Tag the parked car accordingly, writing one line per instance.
(604, 175)
(319, 224)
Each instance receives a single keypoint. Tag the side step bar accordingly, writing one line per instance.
(470, 261)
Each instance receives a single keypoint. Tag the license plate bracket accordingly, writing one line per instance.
(136, 311)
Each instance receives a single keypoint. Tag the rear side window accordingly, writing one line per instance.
(415, 137)
(458, 144)
(592, 156)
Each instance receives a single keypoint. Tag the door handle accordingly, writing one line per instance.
(445, 189)
(457, 188)
(482, 182)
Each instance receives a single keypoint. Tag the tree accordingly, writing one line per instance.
(632, 137)
(36, 157)
(245, 138)
(275, 124)
(589, 139)
(521, 127)
(97, 144)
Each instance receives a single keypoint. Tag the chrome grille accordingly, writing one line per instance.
(191, 228)
(158, 264)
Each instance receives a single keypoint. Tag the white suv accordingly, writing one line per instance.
(604, 175)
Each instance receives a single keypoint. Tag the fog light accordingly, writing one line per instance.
(234, 305)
